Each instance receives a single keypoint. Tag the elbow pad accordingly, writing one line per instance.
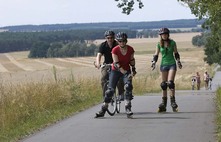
(177, 56)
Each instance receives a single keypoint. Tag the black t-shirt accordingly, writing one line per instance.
(105, 50)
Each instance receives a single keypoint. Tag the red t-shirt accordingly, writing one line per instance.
(124, 60)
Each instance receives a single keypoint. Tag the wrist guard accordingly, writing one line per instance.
(177, 56)
(155, 58)
(117, 66)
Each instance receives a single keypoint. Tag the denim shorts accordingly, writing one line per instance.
(168, 67)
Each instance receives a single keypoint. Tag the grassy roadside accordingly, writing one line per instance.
(218, 114)
(26, 108)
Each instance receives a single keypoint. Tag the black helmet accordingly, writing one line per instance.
(164, 31)
(109, 33)
(121, 36)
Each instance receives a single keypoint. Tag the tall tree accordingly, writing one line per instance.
(211, 11)
(203, 9)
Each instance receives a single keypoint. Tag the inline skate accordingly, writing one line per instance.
(128, 110)
(173, 104)
(163, 105)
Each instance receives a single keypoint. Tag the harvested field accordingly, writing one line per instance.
(15, 67)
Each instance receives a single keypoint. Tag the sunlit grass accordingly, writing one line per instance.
(25, 108)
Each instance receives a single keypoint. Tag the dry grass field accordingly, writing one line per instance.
(16, 67)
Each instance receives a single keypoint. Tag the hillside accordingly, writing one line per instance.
(181, 23)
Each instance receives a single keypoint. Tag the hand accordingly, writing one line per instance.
(134, 71)
(153, 66)
(123, 71)
(179, 64)
(97, 65)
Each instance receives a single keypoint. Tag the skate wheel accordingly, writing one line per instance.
(175, 110)
(130, 116)
(161, 111)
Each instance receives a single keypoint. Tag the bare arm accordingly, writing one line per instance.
(132, 60)
(157, 51)
(177, 57)
(133, 63)
(98, 60)
(155, 58)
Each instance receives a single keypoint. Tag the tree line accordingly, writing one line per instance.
(25, 41)
(68, 43)
(182, 23)
(58, 49)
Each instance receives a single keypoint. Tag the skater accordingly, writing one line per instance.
(206, 79)
(105, 50)
(123, 65)
(167, 47)
(198, 81)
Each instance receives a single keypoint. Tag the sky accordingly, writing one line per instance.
(38, 12)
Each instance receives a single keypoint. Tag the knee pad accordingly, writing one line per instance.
(128, 87)
(163, 85)
(108, 95)
(171, 85)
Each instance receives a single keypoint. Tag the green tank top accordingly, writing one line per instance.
(167, 54)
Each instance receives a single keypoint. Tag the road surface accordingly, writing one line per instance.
(193, 123)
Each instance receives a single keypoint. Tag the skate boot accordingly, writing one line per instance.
(173, 104)
(102, 112)
(128, 110)
(163, 105)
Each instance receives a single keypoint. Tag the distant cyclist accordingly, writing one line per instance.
(167, 47)
(123, 65)
(105, 50)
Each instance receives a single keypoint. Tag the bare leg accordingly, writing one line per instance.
(164, 75)
(171, 76)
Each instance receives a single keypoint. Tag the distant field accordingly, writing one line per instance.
(15, 67)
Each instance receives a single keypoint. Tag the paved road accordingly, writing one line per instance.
(193, 123)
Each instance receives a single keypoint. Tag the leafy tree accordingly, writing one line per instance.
(200, 40)
(211, 11)
(208, 9)
(127, 5)
(39, 50)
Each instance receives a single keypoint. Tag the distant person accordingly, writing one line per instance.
(193, 81)
(198, 81)
(210, 83)
(122, 67)
(105, 50)
(170, 59)
(206, 79)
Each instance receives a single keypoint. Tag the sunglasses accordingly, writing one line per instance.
(122, 40)
(110, 37)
